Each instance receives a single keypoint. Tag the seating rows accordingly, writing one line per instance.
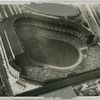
(64, 27)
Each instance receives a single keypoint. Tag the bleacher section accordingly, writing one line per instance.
(60, 25)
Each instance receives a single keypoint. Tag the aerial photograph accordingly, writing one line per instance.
(49, 50)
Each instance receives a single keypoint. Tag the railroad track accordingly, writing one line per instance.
(9, 10)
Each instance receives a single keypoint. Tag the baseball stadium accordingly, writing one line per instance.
(45, 43)
(55, 44)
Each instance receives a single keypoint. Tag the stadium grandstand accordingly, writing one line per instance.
(43, 46)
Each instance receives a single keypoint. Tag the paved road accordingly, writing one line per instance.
(75, 79)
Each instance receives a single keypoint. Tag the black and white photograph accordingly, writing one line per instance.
(49, 50)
